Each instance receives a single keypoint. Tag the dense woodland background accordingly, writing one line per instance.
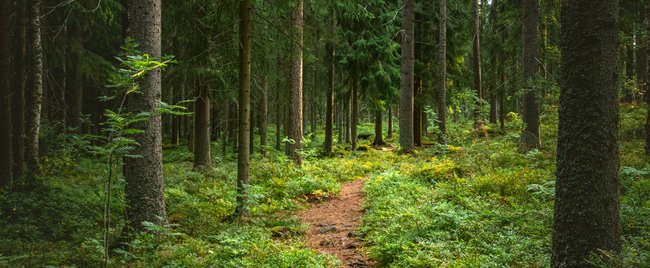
(188, 133)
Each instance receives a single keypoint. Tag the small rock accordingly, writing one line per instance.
(328, 229)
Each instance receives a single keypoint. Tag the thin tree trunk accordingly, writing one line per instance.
(243, 155)
(442, 73)
(35, 100)
(329, 116)
(629, 73)
(264, 114)
(647, 94)
(379, 140)
(354, 119)
(226, 129)
(390, 123)
(476, 57)
(144, 191)
(296, 86)
(530, 113)
(502, 95)
(278, 115)
(202, 156)
(587, 208)
(407, 76)
(6, 148)
(417, 109)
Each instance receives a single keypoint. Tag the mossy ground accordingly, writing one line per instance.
(477, 202)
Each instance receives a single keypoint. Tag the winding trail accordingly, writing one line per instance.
(333, 225)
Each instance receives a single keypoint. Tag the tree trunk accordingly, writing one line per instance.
(379, 139)
(530, 113)
(390, 123)
(6, 149)
(442, 74)
(329, 116)
(407, 76)
(417, 111)
(144, 191)
(202, 156)
(243, 155)
(354, 113)
(278, 115)
(629, 73)
(264, 114)
(587, 209)
(647, 94)
(226, 129)
(19, 88)
(35, 100)
(502, 96)
(476, 57)
(642, 58)
(295, 151)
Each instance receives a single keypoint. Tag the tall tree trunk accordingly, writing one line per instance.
(647, 94)
(295, 150)
(6, 149)
(348, 120)
(329, 116)
(502, 95)
(476, 57)
(19, 88)
(642, 57)
(35, 100)
(226, 129)
(243, 155)
(278, 115)
(340, 115)
(530, 112)
(407, 76)
(442, 73)
(390, 123)
(379, 139)
(202, 156)
(417, 110)
(354, 118)
(264, 114)
(145, 199)
(587, 207)
(629, 73)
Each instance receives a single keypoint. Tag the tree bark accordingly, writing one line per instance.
(379, 139)
(442, 73)
(19, 88)
(587, 209)
(278, 114)
(295, 151)
(417, 110)
(476, 57)
(390, 123)
(530, 113)
(6, 148)
(647, 94)
(329, 116)
(407, 76)
(243, 155)
(202, 156)
(264, 114)
(35, 100)
(354, 113)
(144, 191)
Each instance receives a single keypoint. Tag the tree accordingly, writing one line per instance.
(476, 56)
(329, 112)
(264, 115)
(406, 90)
(442, 73)
(6, 148)
(530, 112)
(144, 188)
(296, 86)
(243, 155)
(202, 156)
(33, 118)
(647, 95)
(18, 96)
(587, 209)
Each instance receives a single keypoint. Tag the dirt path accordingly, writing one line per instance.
(332, 226)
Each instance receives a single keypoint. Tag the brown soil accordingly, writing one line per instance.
(333, 225)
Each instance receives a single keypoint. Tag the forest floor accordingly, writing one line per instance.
(333, 226)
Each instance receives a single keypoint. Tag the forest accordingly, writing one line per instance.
(324, 133)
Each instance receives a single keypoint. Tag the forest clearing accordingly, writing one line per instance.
(337, 133)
